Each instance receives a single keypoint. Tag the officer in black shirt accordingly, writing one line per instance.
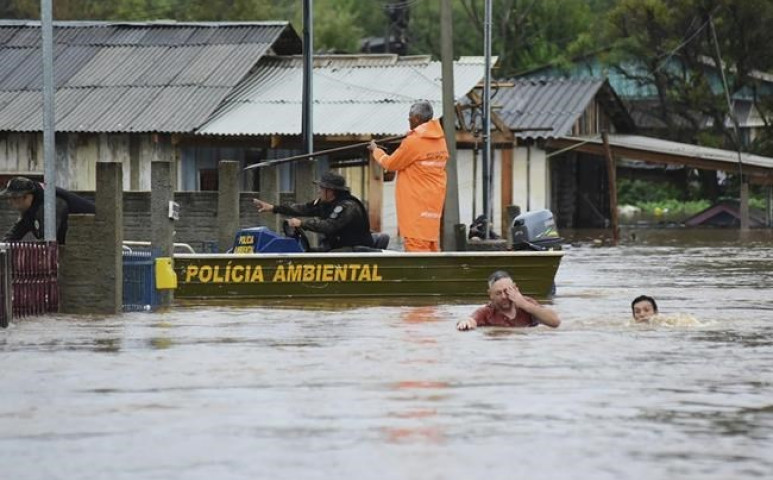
(26, 197)
(337, 214)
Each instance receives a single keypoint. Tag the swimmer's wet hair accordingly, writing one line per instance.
(645, 298)
(497, 276)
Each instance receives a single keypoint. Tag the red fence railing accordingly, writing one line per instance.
(29, 273)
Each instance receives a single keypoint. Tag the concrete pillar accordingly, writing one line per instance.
(109, 204)
(161, 226)
(92, 260)
(77, 266)
(304, 176)
(227, 203)
(269, 192)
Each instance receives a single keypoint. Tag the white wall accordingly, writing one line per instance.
(531, 178)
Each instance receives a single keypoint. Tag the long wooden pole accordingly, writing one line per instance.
(612, 174)
(304, 156)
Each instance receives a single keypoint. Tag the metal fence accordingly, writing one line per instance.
(139, 280)
(29, 283)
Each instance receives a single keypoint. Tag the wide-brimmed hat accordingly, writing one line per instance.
(333, 181)
(17, 187)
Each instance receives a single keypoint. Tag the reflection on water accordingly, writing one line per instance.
(326, 390)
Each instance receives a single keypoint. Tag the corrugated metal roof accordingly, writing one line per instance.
(650, 144)
(545, 103)
(133, 64)
(131, 76)
(18, 108)
(25, 37)
(7, 34)
(167, 36)
(167, 66)
(361, 96)
(236, 64)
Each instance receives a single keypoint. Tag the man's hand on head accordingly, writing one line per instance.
(516, 297)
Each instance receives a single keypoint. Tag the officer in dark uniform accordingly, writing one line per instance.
(26, 197)
(337, 214)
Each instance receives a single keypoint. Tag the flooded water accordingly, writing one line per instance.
(396, 393)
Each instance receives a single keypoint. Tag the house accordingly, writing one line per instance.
(356, 98)
(125, 91)
(562, 162)
(630, 80)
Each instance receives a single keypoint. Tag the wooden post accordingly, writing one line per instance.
(507, 188)
(744, 203)
(612, 174)
(451, 206)
(375, 194)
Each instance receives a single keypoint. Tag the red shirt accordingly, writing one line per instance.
(488, 316)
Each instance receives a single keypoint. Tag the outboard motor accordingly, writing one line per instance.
(535, 231)
(264, 240)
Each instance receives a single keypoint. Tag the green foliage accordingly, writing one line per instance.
(673, 210)
(639, 192)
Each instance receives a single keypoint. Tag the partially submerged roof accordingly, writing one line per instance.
(131, 76)
(725, 214)
(353, 95)
(555, 104)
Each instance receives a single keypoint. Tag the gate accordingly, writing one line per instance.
(29, 283)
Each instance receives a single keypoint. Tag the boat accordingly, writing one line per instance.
(328, 275)
(265, 265)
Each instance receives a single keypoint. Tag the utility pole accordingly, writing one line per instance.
(49, 144)
(304, 171)
(487, 164)
(451, 210)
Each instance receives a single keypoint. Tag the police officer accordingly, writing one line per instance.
(26, 197)
(337, 214)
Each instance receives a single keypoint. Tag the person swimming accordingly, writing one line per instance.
(643, 308)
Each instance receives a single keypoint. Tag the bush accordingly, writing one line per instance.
(639, 192)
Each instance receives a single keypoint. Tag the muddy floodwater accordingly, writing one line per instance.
(331, 391)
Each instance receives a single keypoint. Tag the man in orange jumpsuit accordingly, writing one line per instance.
(420, 163)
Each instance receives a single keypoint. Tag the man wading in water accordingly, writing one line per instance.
(508, 308)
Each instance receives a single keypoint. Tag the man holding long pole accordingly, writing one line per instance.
(420, 163)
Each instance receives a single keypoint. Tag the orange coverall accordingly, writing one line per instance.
(420, 163)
